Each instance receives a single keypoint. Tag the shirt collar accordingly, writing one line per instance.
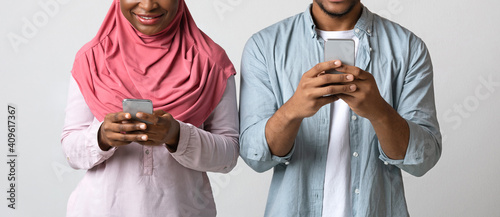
(363, 26)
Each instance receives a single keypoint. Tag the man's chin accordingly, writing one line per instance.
(338, 12)
(336, 9)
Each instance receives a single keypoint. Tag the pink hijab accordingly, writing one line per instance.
(180, 69)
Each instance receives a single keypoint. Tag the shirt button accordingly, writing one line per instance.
(356, 191)
(357, 30)
(354, 117)
(355, 154)
(371, 49)
(369, 31)
(147, 151)
(287, 163)
(386, 163)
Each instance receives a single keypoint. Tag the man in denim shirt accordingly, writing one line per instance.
(337, 142)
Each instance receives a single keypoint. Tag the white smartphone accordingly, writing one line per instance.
(133, 106)
(339, 49)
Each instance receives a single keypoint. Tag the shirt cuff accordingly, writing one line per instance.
(285, 159)
(388, 160)
(184, 137)
(262, 152)
(412, 154)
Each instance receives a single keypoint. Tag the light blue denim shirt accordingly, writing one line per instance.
(273, 62)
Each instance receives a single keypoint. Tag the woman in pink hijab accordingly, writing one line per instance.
(150, 49)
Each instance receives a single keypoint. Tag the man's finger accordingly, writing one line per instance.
(326, 79)
(321, 67)
(327, 99)
(336, 89)
(353, 70)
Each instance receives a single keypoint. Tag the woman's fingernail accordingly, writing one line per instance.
(352, 87)
(144, 137)
(349, 77)
(337, 63)
(143, 126)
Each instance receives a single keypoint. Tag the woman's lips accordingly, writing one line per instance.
(148, 19)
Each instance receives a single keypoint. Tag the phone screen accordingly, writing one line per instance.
(340, 49)
(133, 106)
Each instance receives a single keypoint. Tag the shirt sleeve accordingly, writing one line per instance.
(214, 148)
(79, 136)
(417, 107)
(257, 104)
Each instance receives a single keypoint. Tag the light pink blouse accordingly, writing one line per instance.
(136, 180)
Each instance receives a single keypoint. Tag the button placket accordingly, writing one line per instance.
(148, 160)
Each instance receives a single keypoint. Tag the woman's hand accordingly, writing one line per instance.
(164, 129)
(118, 129)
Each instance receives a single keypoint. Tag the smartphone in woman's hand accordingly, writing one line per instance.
(133, 106)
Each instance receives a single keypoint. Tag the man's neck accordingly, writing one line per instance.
(326, 22)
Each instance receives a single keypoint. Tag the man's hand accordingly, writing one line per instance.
(392, 130)
(366, 101)
(315, 90)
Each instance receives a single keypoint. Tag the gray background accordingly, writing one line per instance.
(462, 37)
